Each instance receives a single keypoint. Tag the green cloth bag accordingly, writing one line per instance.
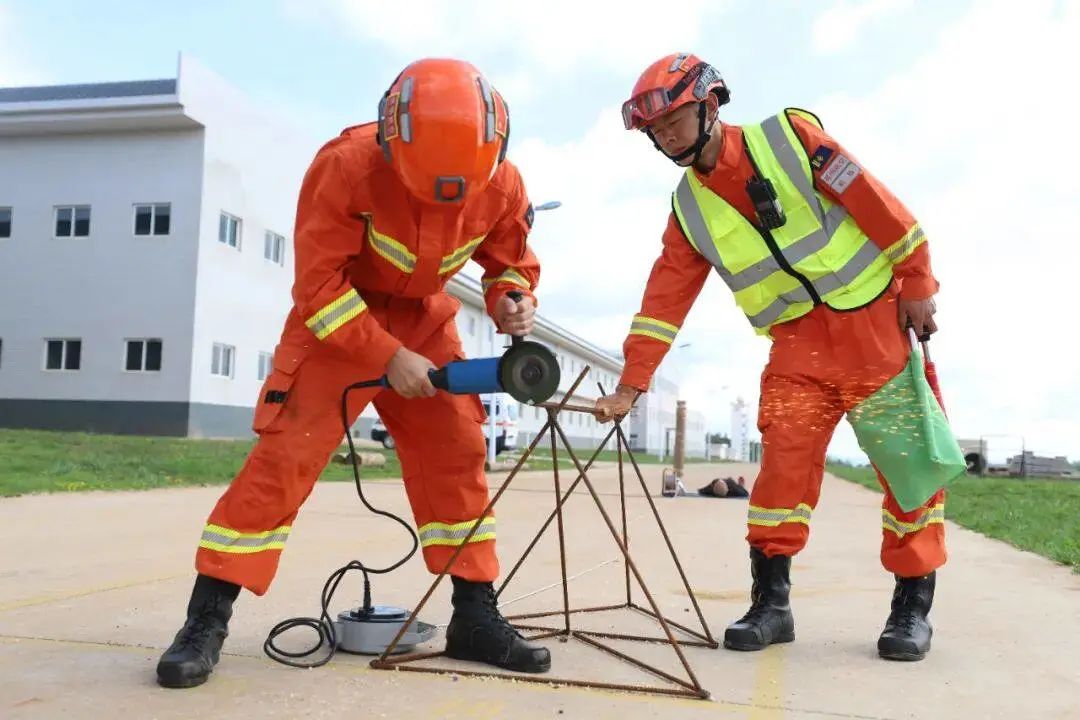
(905, 433)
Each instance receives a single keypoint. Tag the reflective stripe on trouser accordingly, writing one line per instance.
(771, 517)
(923, 516)
(445, 482)
(229, 540)
(437, 533)
(821, 365)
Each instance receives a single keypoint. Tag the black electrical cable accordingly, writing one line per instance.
(324, 625)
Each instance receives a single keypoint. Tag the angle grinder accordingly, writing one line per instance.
(528, 371)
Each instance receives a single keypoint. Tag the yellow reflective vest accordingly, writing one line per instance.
(820, 255)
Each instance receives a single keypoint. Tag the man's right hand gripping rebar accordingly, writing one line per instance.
(615, 405)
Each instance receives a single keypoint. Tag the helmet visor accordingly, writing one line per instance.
(644, 107)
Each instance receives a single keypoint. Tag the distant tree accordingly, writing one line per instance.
(718, 439)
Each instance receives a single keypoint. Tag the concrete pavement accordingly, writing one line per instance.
(93, 587)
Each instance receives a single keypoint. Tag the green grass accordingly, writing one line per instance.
(39, 461)
(1039, 515)
(33, 461)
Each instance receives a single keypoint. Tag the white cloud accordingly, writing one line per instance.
(556, 36)
(838, 28)
(598, 247)
(15, 69)
(975, 138)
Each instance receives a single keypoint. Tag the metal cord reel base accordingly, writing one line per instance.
(369, 633)
(688, 687)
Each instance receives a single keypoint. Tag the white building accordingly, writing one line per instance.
(142, 276)
(740, 431)
(146, 263)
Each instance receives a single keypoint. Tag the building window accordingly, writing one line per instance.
(73, 221)
(222, 363)
(143, 356)
(5, 222)
(274, 248)
(1, 352)
(229, 230)
(472, 326)
(152, 219)
(266, 364)
(63, 354)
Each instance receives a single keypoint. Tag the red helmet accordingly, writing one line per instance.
(444, 129)
(670, 82)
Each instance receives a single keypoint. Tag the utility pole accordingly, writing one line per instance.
(492, 401)
(680, 437)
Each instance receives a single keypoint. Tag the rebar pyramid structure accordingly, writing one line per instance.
(685, 687)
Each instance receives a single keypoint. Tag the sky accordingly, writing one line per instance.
(963, 109)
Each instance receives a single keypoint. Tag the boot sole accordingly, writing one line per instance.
(902, 656)
(180, 683)
(470, 658)
(751, 647)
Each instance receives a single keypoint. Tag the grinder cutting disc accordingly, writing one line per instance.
(529, 372)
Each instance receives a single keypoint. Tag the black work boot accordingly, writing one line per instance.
(197, 647)
(769, 619)
(908, 630)
(479, 632)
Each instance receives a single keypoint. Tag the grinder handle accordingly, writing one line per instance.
(516, 296)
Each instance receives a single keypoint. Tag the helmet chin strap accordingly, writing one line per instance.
(694, 150)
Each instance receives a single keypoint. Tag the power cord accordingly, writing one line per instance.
(324, 624)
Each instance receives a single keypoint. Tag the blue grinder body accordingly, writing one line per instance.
(509, 373)
(466, 377)
(527, 371)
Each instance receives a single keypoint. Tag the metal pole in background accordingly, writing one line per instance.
(680, 437)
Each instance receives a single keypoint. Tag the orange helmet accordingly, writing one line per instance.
(669, 83)
(444, 129)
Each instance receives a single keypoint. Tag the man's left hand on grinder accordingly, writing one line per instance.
(408, 374)
(515, 318)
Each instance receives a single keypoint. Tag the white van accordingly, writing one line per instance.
(506, 422)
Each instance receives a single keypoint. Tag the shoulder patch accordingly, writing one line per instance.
(820, 157)
(530, 215)
(840, 173)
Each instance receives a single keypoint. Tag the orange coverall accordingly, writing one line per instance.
(820, 365)
(371, 267)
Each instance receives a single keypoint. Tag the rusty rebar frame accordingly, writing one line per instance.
(691, 688)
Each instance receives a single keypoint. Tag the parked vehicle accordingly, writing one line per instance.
(379, 433)
(506, 425)
(506, 422)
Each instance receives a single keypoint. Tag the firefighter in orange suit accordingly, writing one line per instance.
(388, 212)
(831, 267)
